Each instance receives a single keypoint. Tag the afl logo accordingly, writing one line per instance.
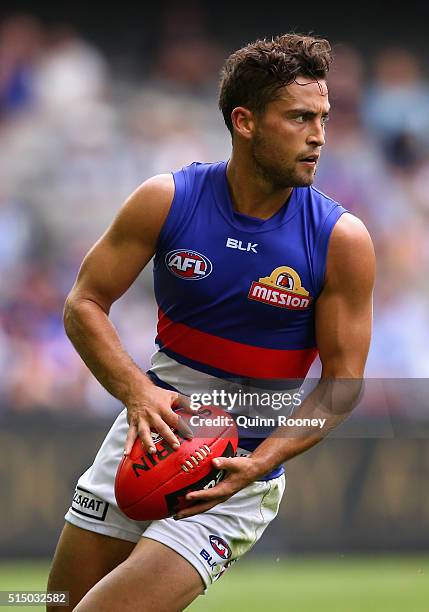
(188, 265)
(220, 546)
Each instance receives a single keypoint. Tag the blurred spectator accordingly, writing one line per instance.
(350, 164)
(21, 44)
(396, 106)
(15, 232)
(346, 87)
(72, 72)
(188, 58)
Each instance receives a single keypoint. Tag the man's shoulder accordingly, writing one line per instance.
(155, 190)
(350, 230)
(146, 208)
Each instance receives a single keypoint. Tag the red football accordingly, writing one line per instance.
(153, 486)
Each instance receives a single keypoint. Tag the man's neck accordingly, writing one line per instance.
(250, 193)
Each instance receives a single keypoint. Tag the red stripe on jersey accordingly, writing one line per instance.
(231, 356)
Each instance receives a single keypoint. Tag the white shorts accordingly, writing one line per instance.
(211, 541)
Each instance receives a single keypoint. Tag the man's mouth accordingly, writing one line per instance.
(311, 160)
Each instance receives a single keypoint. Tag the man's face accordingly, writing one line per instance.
(289, 135)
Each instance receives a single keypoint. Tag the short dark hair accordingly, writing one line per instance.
(252, 76)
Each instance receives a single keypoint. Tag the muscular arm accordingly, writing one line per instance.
(107, 271)
(343, 330)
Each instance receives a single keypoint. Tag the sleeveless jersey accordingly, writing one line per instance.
(236, 294)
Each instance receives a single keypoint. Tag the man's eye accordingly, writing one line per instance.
(325, 120)
(300, 118)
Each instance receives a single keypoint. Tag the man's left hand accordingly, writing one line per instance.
(241, 472)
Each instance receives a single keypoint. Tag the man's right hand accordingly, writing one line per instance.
(153, 411)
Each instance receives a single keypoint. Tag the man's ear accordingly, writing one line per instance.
(243, 121)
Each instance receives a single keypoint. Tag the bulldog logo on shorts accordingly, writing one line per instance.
(220, 546)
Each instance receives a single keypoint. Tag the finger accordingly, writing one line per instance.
(174, 399)
(176, 422)
(131, 438)
(146, 437)
(223, 489)
(183, 401)
(165, 431)
(184, 430)
(197, 509)
(227, 463)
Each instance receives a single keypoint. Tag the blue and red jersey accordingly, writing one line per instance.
(236, 294)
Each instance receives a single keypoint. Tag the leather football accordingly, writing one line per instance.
(153, 486)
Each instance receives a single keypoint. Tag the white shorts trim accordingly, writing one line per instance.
(107, 530)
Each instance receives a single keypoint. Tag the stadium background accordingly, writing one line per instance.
(91, 104)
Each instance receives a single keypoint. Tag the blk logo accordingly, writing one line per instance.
(188, 265)
(232, 243)
(208, 558)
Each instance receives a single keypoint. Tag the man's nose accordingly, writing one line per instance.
(316, 135)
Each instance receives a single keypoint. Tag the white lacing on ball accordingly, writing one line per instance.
(195, 459)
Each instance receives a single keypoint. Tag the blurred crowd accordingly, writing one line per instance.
(77, 136)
